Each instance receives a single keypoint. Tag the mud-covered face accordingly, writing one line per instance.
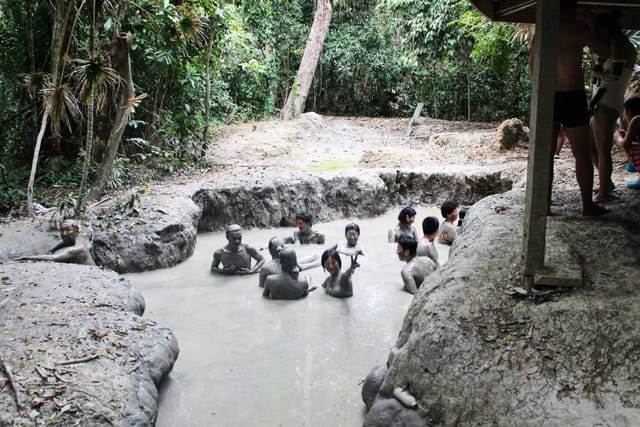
(68, 233)
(331, 265)
(402, 253)
(301, 224)
(234, 238)
(352, 237)
(453, 216)
(411, 219)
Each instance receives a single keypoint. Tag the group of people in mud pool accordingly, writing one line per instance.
(280, 277)
(592, 138)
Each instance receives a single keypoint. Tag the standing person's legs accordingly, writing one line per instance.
(604, 122)
(579, 137)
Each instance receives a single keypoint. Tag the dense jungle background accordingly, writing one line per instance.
(97, 95)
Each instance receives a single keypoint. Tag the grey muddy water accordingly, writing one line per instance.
(248, 361)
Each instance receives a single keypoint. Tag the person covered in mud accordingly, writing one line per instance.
(73, 249)
(417, 268)
(276, 244)
(350, 245)
(236, 256)
(426, 245)
(338, 284)
(405, 226)
(449, 227)
(288, 284)
(305, 234)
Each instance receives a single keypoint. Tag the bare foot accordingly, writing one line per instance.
(593, 210)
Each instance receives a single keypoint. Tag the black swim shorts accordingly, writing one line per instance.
(570, 108)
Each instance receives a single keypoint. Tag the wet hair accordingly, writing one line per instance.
(289, 260)
(430, 225)
(404, 213)
(633, 105)
(351, 226)
(461, 215)
(233, 228)
(409, 243)
(448, 207)
(330, 253)
(274, 244)
(71, 223)
(306, 217)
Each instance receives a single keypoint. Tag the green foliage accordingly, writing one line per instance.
(381, 57)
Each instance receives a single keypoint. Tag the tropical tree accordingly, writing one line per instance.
(294, 105)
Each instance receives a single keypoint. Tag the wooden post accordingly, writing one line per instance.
(539, 163)
(415, 116)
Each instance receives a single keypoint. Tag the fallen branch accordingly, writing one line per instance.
(82, 360)
(12, 382)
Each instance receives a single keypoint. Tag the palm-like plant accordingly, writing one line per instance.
(94, 79)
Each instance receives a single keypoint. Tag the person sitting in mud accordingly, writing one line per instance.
(338, 284)
(426, 245)
(629, 140)
(288, 284)
(305, 233)
(448, 227)
(73, 249)
(276, 244)
(405, 226)
(350, 246)
(236, 256)
(417, 268)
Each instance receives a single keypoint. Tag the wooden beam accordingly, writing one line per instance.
(541, 144)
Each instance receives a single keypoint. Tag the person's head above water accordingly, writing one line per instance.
(289, 261)
(448, 208)
(234, 234)
(407, 215)
(430, 226)
(330, 260)
(69, 230)
(275, 246)
(407, 247)
(304, 219)
(352, 233)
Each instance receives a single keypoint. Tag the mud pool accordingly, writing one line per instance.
(247, 360)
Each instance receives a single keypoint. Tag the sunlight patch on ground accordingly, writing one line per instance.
(333, 165)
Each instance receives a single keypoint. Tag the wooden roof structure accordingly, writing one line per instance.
(546, 16)
(524, 11)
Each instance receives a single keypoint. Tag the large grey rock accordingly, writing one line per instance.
(78, 348)
(160, 232)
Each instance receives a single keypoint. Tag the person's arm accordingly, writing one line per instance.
(255, 255)
(409, 282)
(309, 262)
(633, 132)
(391, 236)
(215, 264)
(70, 255)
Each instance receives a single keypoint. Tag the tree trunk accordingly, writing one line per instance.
(87, 152)
(60, 21)
(294, 105)
(123, 62)
(34, 162)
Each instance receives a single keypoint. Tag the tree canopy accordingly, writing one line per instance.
(123, 90)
